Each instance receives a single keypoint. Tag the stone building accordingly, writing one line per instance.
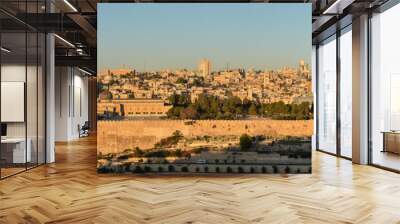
(135, 107)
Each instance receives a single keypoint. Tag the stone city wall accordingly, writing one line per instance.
(116, 136)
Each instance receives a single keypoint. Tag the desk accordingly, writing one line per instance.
(15, 148)
(391, 141)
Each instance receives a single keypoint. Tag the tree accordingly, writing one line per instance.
(245, 142)
(177, 134)
(173, 99)
(183, 100)
(181, 80)
(138, 152)
(246, 102)
(211, 107)
(179, 100)
(253, 109)
(188, 113)
(198, 82)
(214, 106)
(203, 103)
(177, 153)
(175, 112)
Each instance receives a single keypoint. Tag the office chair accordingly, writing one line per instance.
(84, 130)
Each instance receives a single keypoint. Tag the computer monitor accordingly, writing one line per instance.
(3, 129)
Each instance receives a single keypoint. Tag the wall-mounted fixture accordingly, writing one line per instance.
(64, 40)
(70, 5)
(5, 50)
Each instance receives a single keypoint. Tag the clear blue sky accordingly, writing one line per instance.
(159, 36)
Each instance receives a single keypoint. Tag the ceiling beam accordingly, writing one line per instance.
(83, 23)
(77, 61)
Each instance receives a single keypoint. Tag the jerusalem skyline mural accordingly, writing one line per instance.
(225, 90)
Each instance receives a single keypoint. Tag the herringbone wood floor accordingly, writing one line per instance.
(70, 191)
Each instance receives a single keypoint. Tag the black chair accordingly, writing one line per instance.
(84, 130)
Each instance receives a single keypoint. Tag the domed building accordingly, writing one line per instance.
(105, 95)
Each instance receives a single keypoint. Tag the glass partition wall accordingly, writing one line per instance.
(334, 105)
(327, 95)
(385, 89)
(22, 77)
(345, 61)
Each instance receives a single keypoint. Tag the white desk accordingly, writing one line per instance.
(18, 144)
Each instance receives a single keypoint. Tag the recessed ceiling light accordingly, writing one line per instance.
(70, 5)
(337, 7)
(64, 40)
(84, 71)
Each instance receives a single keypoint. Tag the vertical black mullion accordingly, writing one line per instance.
(37, 89)
(73, 91)
(316, 115)
(369, 88)
(45, 87)
(338, 73)
(26, 86)
(45, 94)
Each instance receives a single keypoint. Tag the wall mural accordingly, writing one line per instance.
(204, 88)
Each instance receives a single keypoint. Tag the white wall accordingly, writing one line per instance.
(80, 104)
(61, 103)
(71, 102)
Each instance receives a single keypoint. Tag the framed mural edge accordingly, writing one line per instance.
(204, 88)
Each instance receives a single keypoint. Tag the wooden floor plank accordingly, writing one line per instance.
(70, 191)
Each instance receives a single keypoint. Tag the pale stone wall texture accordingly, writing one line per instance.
(116, 136)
